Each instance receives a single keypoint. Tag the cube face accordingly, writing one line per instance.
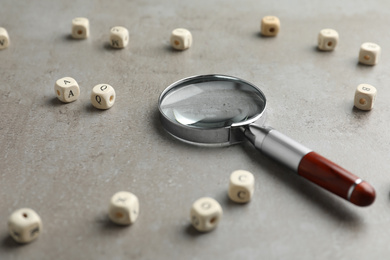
(80, 28)
(67, 90)
(124, 208)
(369, 53)
(365, 95)
(270, 26)
(241, 186)
(205, 214)
(119, 37)
(4, 38)
(327, 39)
(181, 39)
(24, 225)
(103, 96)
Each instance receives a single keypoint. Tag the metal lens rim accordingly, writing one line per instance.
(207, 136)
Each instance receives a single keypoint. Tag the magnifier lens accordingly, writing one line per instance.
(212, 102)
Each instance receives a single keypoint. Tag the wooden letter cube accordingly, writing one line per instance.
(103, 96)
(181, 39)
(80, 28)
(205, 214)
(369, 53)
(270, 26)
(119, 37)
(67, 89)
(24, 225)
(124, 208)
(4, 38)
(365, 96)
(327, 39)
(241, 186)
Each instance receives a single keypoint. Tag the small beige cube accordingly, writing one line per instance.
(270, 26)
(241, 186)
(327, 39)
(124, 208)
(365, 95)
(4, 38)
(205, 214)
(369, 53)
(24, 225)
(103, 96)
(181, 39)
(119, 37)
(80, 28)
(67, 90)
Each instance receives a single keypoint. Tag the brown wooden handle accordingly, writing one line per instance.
(335, 179)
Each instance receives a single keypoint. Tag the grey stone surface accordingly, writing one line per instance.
(66, 160)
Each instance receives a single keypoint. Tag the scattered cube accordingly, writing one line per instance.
(124, 208)
(119, 37)
(4, 38)
(181, 39)
(103, 96)
(24, 225)
(241, 186)
(369, 53)
(205, 214)
(67, 89)
(80, 28)
(327, 40)
(270, 26)
(365, 95)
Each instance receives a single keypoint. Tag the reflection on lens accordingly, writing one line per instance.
(212, 104)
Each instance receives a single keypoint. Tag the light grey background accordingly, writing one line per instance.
(66, 160)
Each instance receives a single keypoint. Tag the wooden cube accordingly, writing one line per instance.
(270, 26)
(24, 225)
(327, 39)
(119, 37)
(124, 208)
(241, 186)
(205, 214)
(67, 89)
(369, 53)
(181, 39)
(4, 38)
(103, 96)
(80, 28)
(365, 95)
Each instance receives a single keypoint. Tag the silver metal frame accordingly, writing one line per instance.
(211, 136)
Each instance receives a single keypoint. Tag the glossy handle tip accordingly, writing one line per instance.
(363, 194)
(335, 179)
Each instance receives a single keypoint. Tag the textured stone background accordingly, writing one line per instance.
(67, 160)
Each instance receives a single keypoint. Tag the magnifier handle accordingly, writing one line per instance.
(311, 165)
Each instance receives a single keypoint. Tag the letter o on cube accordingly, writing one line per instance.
(270, 26)
(327, 39)
(80, 28)
(365, 95)
(205, 214)
(24, 225)
(369, 53)
(119, 37)
(103, 96)
(67, 89)
(124, 208)
(241, 186)
(4, 38)
(181, 39)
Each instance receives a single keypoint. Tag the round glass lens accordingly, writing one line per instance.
(212, 102)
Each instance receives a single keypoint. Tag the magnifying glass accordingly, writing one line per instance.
(223, 110)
